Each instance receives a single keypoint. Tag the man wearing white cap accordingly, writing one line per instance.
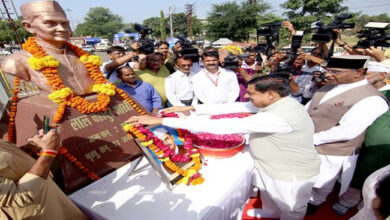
(341, 112)
(375, 152)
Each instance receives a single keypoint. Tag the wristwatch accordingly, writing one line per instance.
(342, 45)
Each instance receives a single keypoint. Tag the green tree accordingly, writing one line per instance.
(163, 26)
(128, 28)
(179, 23)
(234, 21)
(7, 35)
(154, 24)
(100, 22)
(302, 13)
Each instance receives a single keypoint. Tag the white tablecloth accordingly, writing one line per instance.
(144, 196)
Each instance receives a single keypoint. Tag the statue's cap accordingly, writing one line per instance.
(34, 7)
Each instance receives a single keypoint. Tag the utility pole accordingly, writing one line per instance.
(7, 14)
(70, 18)
(189, 8)
(171, 9)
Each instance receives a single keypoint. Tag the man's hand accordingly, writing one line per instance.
(177, 48)
(375, 53)
(338, 35)
(178, 109)
(49, 141)
(309, 57)
(145, 120)
(289, 27)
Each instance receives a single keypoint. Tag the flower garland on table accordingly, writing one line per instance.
(64, 96)
(213, 140)
(166, 155)
(231, 115)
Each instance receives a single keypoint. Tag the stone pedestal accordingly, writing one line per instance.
(96, 140)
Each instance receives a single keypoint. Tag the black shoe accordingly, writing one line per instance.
(311, 209)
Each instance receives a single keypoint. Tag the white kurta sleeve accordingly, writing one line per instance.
(170, 92)
(234, 88)
(236, 107)
(258, 123)
(198, 90)
(354, 121)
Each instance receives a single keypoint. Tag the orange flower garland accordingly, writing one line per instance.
(47, 65)
(12, 113)
(190, 175)
(78, 164)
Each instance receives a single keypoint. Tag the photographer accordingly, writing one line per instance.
(171, 62)
(235, 63)
(163, 48)
(119, 58)
(345, 46)
(155, 73)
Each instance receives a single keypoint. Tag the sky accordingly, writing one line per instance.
(137, 11)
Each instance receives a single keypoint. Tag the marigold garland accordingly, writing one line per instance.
(167, 156)
(12, 113)
(78, 164)
(64, 96)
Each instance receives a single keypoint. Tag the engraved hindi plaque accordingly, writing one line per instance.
(96, 140)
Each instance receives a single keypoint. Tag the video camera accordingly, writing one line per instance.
(188, 49)
(287, 64)
(324, 32)
(374, 34)
(147, 44)
(271, 33)
(231, 61)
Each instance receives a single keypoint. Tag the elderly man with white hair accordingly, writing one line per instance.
(375, 152)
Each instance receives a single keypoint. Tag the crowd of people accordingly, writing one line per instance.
(322, 121)
(337, 104)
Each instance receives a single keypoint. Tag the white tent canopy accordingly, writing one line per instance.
(222, 42)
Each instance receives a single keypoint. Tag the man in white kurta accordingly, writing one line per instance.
(178, 87)
(338, 145)
(214, 84)
(281, 142)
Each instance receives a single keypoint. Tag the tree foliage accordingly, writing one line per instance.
(100, 22)
(163, 26)
(302, 13)
(128, 28)
(179, 23)
(154, 24)
(7, 35)
(234, 21)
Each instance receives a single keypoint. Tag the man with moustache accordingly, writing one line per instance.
(178, 86)
(214, 84)
(155, 74)
(341, 112)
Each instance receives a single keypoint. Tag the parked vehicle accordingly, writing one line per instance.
(88, 48)
(5, 52)
(103, 46)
